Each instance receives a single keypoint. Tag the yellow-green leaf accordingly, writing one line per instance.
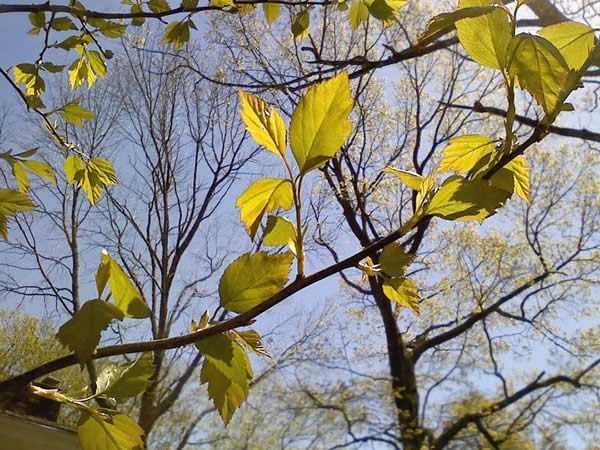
(402, 291)
(126, 296)
(271, 11)
(444, 22)
(358, 14)
(251, 340)
(462, 199)
(28, 74)
(81, 333)
(73, 113)
(189, 4)
(410, 179)
(253, 278)
(486, 37)
(177, 33)
(62, 24)
(279, 231)
(301, 25)
(12, 202)
(463, 152)
(264, 123)
(514, 177)
(394, 261)
(21, 177)
(573, 40)
(92, 177)
(104, 432)
(41, 169)
(227, 371)
(158, 6)
(540, 69)
(320, 125)
(263, 196)
(37, 19)
(384, 10)
(131, 380)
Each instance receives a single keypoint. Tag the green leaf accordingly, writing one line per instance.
(189, 4)
(394, 261)
(271, 12)
(263, 196)
(358, 14)
(573, 40)
(486, 37)
(540, 69)
(514, 177)
(251, 340)
(384, 10)
(463, 152)
(130, 380)
(104, 432)
(442, 23)
(126, 296)
(73, 113)
(41, 169)
(37, 19)
(410, 179)
(92, 177)
(320, 125)
(301, 25)
(82, 332)
(158, 6)
(253, 278)
(62, 24)
(462, 199)
(21, 177)
(279, 231)
(265, 124)
(108, 28)
(177, 33)
(28, 74)
(137, 21)
(402, 291)
(52, 68)
(12, 202)
(227, 371)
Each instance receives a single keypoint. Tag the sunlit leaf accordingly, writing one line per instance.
(385, 11)
(227, 371)
(540, 69)
(301, 25)
(82, 332)
(462, 199)
(177, 33)
(158, 6)
(574, 40)
(394, 261)
(37, 19)
(92, 176)
(62, 24)
(402, 291)
(410, 179)
(73, 113)
(263, 196)
(128, 381)
(272, 12)
(124, 293)
(265, 124)
(251, 340)
(359, 13)
(11, 203)
(445, 21)
(486, 37)
(320, 125)
(28, 74)
(117, 432)
(514, 177)
(463, 152)
(279, 231)
(253, 278)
